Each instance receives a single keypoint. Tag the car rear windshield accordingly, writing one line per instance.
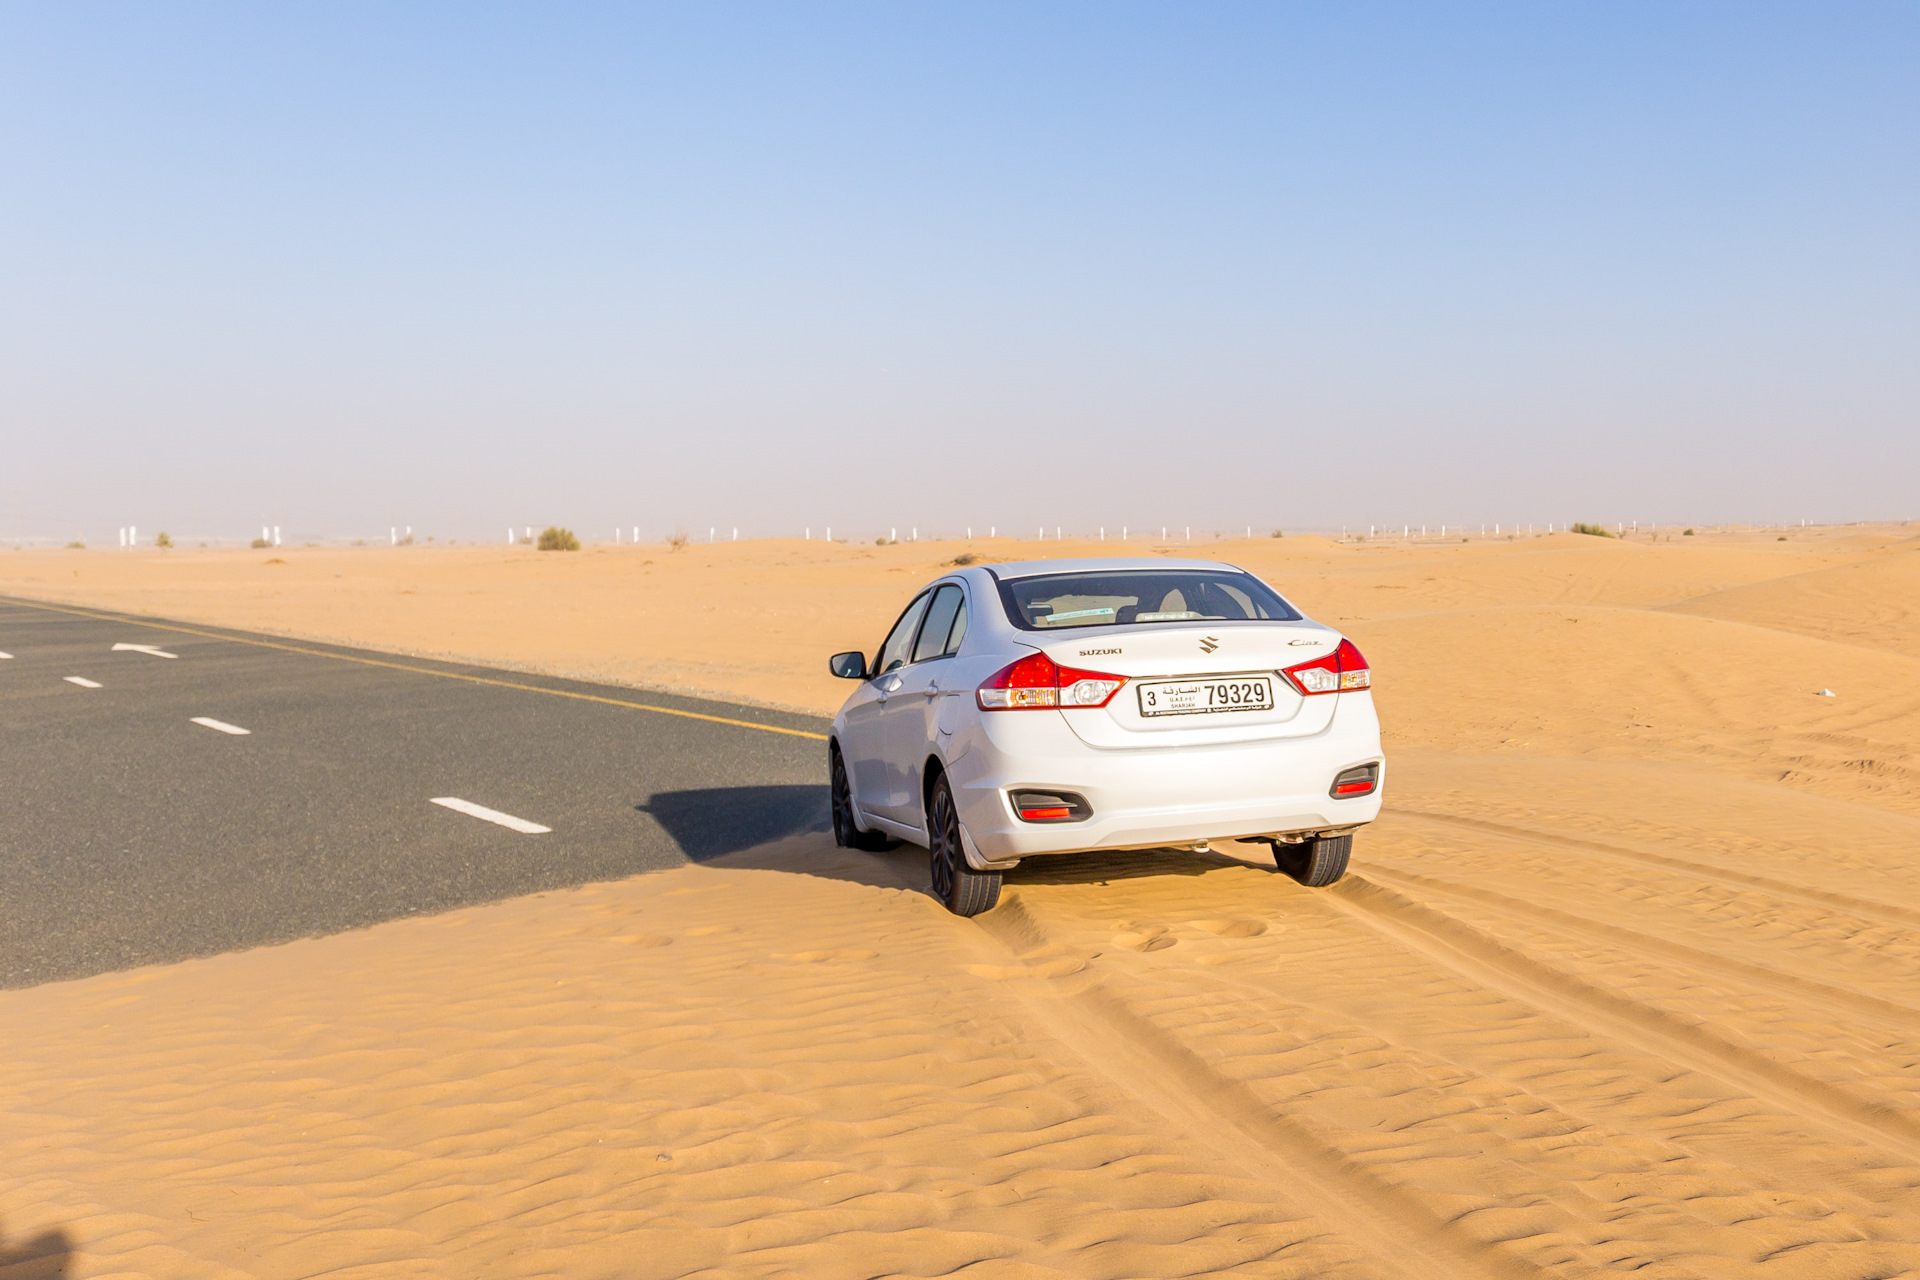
(1125, 597)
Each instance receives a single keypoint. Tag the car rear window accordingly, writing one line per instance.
(1126, 597)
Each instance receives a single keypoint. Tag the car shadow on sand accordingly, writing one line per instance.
(47, 1256)
(790, 828)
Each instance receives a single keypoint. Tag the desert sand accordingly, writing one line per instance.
(1626, 980)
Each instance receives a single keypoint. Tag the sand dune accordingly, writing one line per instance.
(1627, 980)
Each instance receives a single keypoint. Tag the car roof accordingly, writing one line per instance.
(1035, 568)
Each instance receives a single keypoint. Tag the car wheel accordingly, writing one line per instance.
(965, 891)
(846, 832)
(1315, 863)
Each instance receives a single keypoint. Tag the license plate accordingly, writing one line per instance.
(1201, 697)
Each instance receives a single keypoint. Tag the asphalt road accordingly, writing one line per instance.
(131, 835)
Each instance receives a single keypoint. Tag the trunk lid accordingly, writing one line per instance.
(1233, 653)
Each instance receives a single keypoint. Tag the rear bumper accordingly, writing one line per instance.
(1150, 797)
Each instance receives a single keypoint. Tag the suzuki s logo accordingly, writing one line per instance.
(1209, 644)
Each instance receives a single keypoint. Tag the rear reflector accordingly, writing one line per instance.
(1358, 781)
(1343, 669)
(1050, 806)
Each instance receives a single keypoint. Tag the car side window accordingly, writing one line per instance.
(893, 654)
(959, 632)
(947, 601)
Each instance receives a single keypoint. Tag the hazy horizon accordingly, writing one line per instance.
(747, 266)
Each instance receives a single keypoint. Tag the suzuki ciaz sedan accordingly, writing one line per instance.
(1066, 706)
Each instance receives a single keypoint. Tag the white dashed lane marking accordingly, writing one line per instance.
(507, 820)
(155, 650)
(82, 681)
(4, 656)
(221, 725)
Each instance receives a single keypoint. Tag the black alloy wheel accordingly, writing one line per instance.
(965, 891)
(847, 833)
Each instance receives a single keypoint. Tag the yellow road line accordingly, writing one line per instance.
(425, 671)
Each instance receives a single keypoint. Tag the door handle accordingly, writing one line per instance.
(933, 689)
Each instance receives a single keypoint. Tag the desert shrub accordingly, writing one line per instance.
(554, 538)
(964, 558)
(359, 542)
(1278, 534)
(1592, 530)
(1687, 534)
(1781, 538)
(884, 542)
(677, 539)
(162, 539)
(76, 546)
(259, 543)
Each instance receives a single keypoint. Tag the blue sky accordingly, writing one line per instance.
(463, 266)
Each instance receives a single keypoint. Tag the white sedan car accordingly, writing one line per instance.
(1064, 706)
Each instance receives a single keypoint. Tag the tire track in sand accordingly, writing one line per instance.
(1899, 1017)
(1165, 1076)
(1491, 963)
(1863, 907)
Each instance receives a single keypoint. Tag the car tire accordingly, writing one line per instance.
(1315, 863)
(846, 829)
(965, 891)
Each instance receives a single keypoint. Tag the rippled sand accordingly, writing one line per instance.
(1626, 980)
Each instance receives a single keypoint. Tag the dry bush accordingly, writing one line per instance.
(162, 539)
(554, 538)
(677, 539)
(1591, 530)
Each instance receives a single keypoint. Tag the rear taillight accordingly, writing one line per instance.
(1036, 682)
(1342, 670)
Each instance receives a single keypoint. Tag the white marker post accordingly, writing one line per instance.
(509, 535)
(276, 535)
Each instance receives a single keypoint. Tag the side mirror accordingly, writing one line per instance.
(848, 666)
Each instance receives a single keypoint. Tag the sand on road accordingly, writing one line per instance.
(1627, 979)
